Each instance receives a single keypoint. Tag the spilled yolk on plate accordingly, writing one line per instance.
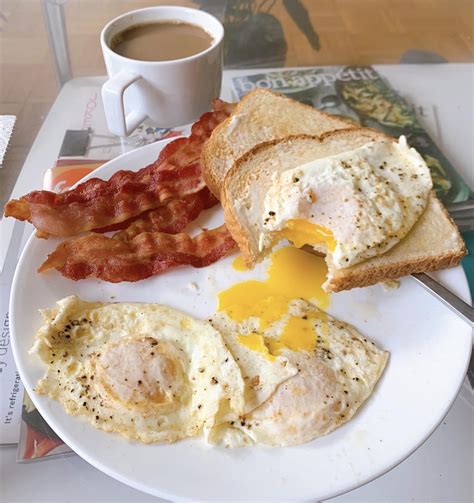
(293, 273)
(301, 232)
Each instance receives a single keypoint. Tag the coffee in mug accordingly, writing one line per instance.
(148, 79)
(161, 41)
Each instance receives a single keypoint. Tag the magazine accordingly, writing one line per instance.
(360, 94)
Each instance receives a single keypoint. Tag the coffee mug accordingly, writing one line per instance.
(170, 93)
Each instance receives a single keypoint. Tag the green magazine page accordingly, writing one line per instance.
(361, 95)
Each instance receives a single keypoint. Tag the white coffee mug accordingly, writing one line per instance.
(170, 93)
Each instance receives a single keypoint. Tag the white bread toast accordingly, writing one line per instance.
(261, 115)
(433, 243)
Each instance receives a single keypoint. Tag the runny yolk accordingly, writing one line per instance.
(301, 232)
(256, 342)
(292, 274)
(298, 334)
(295, 273)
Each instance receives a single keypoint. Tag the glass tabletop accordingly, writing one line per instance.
(259, 33)
(44, 44)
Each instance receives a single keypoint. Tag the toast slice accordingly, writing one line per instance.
(260, 116)
(433, 242)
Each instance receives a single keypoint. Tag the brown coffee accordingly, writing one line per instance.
(161, 41)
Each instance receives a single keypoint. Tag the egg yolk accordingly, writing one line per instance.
(301, 232)
(292, 274)
(297, 335)
(256, 342)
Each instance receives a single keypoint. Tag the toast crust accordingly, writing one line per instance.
(374, 275)
(214, 153)
(354, 277)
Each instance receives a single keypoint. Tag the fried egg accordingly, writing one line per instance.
(261, 371)
(351, 206)
(273, 324)
(336, 371)
(145, 371)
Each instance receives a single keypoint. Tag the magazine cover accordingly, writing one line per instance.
(360, 94)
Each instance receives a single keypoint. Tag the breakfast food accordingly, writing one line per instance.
(355, 195)
(146, 255)
(336, 371)
(268, 367)
(358, 203)
(352, 199)
(145, 371)
(277, 321)
(97, 203)
(260, 116)
(171, 217)
(276, 371)
(149, 209)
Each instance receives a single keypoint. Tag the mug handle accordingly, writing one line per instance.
(112, 97)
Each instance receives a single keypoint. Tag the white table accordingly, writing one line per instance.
(441, 470)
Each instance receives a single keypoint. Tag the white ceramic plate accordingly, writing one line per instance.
(429, 348)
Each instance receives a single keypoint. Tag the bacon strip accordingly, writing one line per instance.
(54, 215)
(147, 254)
(97, 203)
(166, 217)
(172, 217)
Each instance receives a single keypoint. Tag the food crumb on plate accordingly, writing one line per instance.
(390, 284)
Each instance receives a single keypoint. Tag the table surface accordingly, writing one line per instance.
(441, 470)
(260, 33)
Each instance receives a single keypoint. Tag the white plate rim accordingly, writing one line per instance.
(156, 148)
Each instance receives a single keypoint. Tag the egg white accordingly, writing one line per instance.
(330, 384)
(369, 198)
(145, 371)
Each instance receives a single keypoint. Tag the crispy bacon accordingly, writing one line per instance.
(147, 254)
(150, 208)
(103, 203)
(172, 217)
(97, 203)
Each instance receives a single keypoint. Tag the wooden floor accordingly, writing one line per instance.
(338, 32)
